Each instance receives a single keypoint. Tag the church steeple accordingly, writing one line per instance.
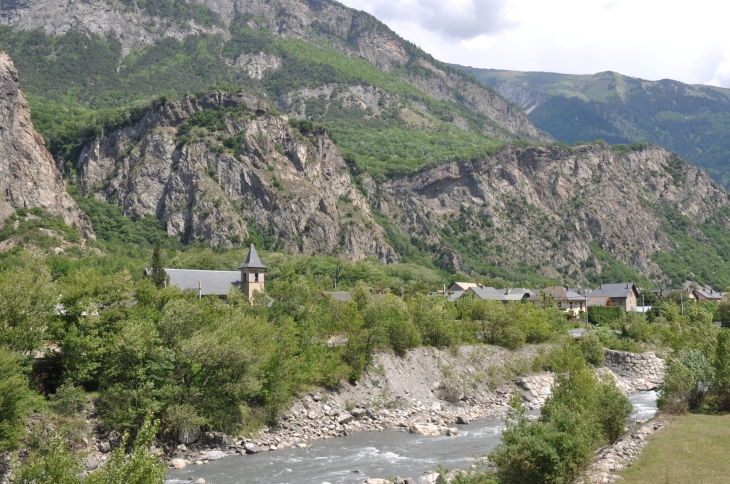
(252, 273)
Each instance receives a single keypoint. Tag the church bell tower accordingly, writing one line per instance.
(252, 273)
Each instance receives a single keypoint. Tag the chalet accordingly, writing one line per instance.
(565, 299)
(249, 278)
(462, 286)
(492, 294)
(702, 295)
(624, 295)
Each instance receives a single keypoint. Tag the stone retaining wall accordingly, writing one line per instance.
(638, 372)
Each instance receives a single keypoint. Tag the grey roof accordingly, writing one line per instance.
(716, 295)
(621, 289)
(453, 296)
(340, 296)
(462, 286)
(252, 260)
(216, 283)
(489, 293)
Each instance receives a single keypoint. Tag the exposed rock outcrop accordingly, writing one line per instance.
(248, 170)
(29, 175)
(547, 205)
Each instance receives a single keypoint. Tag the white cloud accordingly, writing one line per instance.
(651, 39)
(453, 20)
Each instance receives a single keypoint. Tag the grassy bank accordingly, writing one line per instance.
(694, 448)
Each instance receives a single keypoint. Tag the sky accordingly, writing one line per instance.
(652, 39)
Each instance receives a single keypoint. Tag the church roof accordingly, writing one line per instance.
(217, 283)
(252, 260)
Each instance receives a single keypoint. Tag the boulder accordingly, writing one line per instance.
(215, 455)
(377, 481)
(344, 418)
(358, 413)
(201, 481)
(92, 462)
(104, 447)
(188, 436)
(461, 420)
(178, 463)
(252, 448)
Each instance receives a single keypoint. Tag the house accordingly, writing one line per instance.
(624, 295)
(565, 299)
(702, 295)
(462, 286)
(490, 293)
(249, 278)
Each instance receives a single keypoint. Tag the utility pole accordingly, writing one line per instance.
(681, 302)
(643, 308)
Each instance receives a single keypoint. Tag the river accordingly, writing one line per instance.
(361, 455)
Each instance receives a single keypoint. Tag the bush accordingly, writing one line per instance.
(582, 414)
(687, 381)
(16, 399)
(55, 465)
(68, 399)
(592, 350)
(141, 466)
(605, 316)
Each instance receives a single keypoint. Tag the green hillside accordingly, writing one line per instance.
(79, 84)
(691, 120)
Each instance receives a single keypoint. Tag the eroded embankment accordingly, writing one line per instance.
(425, 391)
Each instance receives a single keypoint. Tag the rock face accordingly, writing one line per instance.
(324, 22)
(249, 170)
(29, 175)
(547, 205)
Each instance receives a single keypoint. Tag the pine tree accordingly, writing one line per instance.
(158, 276)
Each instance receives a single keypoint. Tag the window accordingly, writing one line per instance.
(256, 277)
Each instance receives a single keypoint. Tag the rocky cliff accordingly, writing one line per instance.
(571, 209)
(29, 175)
(320, 22)
(221, 166)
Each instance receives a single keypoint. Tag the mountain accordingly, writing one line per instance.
(325, 133)
(29, 175)
(691, 120)
(222, 166)
(390, 106)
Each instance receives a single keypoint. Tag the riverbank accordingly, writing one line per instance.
(427, 386)
(428, 390)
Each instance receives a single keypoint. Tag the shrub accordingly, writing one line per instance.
(687, 381)
(605, 316)
(16, 399)
(54, 465)
(592, 350)
(68, 399)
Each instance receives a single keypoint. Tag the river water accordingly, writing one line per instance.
(361, 455)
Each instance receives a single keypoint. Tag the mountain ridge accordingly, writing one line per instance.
(690, 119)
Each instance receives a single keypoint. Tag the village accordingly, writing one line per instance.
(249, 278)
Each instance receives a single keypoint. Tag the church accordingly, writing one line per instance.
(249, 278)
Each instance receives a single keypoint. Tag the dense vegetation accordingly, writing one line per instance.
(585, 412)
(689, 120)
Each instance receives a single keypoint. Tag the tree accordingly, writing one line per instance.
(27, 304)
(159, 276)
(16, 399)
